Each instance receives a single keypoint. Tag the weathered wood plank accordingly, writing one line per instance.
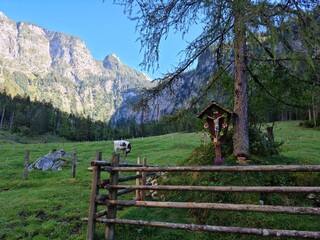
(138, 180)
(105, 182)
(93, 205)
(276, 189)
(219, 229)
(100, 163)
(258, 168)
(143, 180)
(220, 206)
(112, 209)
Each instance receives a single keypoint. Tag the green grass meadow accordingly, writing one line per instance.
(51, 204)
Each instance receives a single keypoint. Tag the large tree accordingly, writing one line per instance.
(227, 22)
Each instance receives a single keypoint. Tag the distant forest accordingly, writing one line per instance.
(27, 118)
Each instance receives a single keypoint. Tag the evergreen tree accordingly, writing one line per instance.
(224, 22)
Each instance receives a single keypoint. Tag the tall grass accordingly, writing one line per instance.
(51, 204)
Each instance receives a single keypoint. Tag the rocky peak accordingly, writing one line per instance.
(112, 62)
(2, 16)
(70, 53)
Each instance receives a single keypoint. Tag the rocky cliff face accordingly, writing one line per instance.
(58, 68)
(187, 87)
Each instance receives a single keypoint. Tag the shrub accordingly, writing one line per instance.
(309, 124)
(261, 145)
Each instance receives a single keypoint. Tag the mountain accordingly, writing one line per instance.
(54, 67)
(187, 87)
(58, 68)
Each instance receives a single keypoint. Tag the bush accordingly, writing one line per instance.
(261, 145)
(25, 131)
(306, 124)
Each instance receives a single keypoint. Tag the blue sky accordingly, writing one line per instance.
(101, 25)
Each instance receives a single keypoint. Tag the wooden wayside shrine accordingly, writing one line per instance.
(217, 123)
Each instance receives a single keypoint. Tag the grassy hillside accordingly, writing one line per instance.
(50, 205)
(301, 145)
(9, 138)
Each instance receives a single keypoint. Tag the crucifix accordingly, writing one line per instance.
(217, 123)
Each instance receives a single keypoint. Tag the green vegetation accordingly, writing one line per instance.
(22, 117)
(50, 205)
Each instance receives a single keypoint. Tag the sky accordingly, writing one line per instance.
(103, 27)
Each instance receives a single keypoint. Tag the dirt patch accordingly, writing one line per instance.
(41, 215)
(77, 228)
(23, 214)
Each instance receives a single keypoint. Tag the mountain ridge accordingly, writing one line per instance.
(58, 68)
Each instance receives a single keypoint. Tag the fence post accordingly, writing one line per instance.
(138, 182)
(143, 180)
(74, 162)
(112, 210)
(26, 164)
(93, 205)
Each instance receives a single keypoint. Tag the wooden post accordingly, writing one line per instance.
(143, 180)
(123, 161)
(218, 152)
(124, 153)
(93, 205)
(138, 181)
(26, 164)
(74, 162)
(112, 209)
(204, 138)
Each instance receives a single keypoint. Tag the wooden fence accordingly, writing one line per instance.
(142, 170)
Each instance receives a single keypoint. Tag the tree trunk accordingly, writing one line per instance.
(241, 131)
(309, 114)
(11, 120)
(314, 115)
(2, 117)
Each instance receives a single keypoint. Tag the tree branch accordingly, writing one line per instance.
(258, 82)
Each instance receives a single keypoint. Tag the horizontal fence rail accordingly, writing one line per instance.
(218, 229)
(219, 206)
(142, 171)
(276, 189)
(262, 168)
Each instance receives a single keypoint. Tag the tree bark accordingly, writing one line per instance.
(11, 120)
(314, 112)
(241, 130)
(2, 116)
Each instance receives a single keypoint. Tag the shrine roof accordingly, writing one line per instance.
(214, 105)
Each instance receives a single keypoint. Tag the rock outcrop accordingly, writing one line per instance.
(54, 160)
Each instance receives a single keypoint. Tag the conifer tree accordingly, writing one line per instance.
(225, 22)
